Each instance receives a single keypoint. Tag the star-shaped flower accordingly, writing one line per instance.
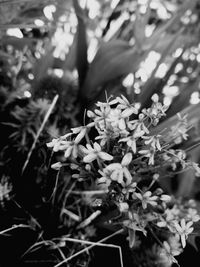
(183, 229)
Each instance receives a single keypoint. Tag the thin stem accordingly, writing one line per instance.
(14, 227)
(39, 132)
(88, 248)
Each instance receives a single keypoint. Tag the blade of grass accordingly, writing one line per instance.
(88, 248)
(14, 227)
(39, 132)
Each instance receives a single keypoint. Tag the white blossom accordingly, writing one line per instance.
(94, 153)
(183, 229)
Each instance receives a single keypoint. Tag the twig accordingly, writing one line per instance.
(55, 188)
(71, 215)
(88, 248)
(39, 131)
(14, 227)
(88, 220)
(89, 192)
(96, 244)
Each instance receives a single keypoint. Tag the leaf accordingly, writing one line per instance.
(131, 236)
(192, 112)
(18, 43)
(182, 100)
(70, 61)
(149, 88)
(160, 32)
(113, 59)
(81, 46)
(139, 26)
(41, 66)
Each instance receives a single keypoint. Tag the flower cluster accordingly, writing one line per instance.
(118, 152)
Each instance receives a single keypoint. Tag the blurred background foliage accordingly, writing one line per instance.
(78, 50)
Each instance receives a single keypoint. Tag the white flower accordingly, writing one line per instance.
(126, 106)
(117, 119)
(193, 215)
(146, 198)
(5, 190)
(153, 141)
(155, 98)
(183, 229)
(106, 135)
(56, 166)
(94, 153)
(71, 150)
(119, 171)
(105, 177)
(196, 168)
(81, 131)
(149, 153)
(165, 198)
(138, 125)
(123, 206)
(59, 143)
(131, 140)
(100, 116)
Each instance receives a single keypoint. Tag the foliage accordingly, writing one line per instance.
(137, 52)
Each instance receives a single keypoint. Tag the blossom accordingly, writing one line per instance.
(146, 198)
(193, 215)
(196, 168)
(105, 135)
(105, 176)
(119, 171)
(131, 140)
(156, 111)
(59, 143)
(117, 118)
(183, 229)
(153, 141)
(138, 125)
(81, 131)
(134, 222)
(100, 115)
(5, 190)
(56, 166)
(94, 153)
(126, 106)
(149, 153)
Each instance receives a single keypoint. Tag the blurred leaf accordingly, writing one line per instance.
(160, 32)
(113, 59)
(140, 26)
(149, 89)
(192, 112)
(18, 43)
(182, 100)
(186, 179)
(42, 64)
(70, 61)
(81, 55)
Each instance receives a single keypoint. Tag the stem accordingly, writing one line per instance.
(88, 248)
(39, 132)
